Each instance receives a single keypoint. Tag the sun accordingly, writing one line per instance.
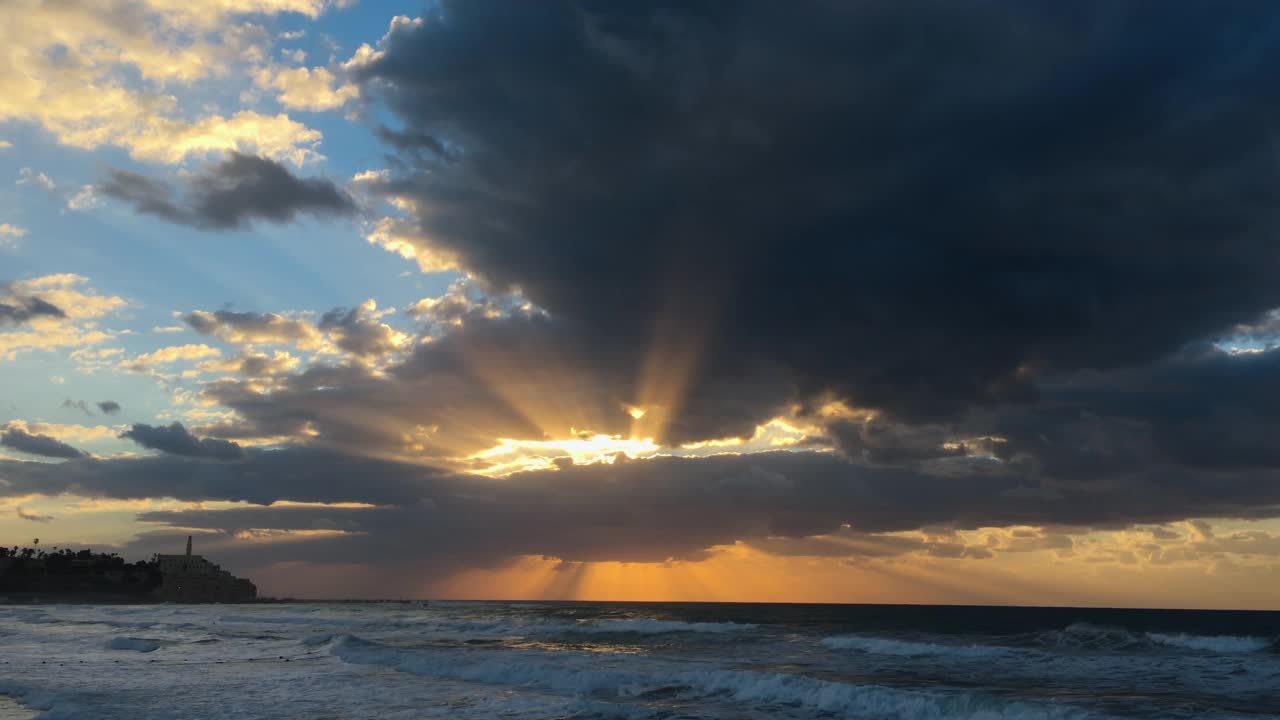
(510, 456)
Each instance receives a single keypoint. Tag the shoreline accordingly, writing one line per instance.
(13, 709)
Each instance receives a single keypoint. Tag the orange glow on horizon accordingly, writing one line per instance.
(733, 573)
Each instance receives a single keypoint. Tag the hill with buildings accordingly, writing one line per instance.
(31, 574)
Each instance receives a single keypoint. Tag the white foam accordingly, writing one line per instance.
(11, 709)
(888, 646)
(1212, 643)
(869, 700)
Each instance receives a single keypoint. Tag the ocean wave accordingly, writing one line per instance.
(30, 698)
(293, 620)
(869, 700)
(321, 639)
(889, 646)
(586, 676)
(144, 645)
(1087, 636)
(35, 618)
(45, 619)
(1102, 637)
(646, 626)
(1212, 643)
(540, 628)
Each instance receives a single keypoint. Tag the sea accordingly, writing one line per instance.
(518, 660)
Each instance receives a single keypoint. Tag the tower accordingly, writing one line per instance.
(188, 546)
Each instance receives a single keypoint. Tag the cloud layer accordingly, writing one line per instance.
(17, 438)
(846, 281)
(920, 217)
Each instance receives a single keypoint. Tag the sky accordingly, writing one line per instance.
(915, 302)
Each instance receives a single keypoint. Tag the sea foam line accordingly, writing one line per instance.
(1212, 643)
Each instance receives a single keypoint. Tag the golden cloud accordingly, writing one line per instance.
(303, 89)
(66, 61)
(76, 328)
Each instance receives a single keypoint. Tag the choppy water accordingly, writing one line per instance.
(599, 660)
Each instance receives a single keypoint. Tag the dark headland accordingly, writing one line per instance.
(32, 575)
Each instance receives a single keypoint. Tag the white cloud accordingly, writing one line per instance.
(401, 237)
(67, 65)
(172, 354)
(27, 176)
(82, 307)
(9, 234)
(276, 136)
(85, 199)
(303, 89)
(366, 54)
(63, 290)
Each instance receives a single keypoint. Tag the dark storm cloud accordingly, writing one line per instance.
(1200, 410)
(176, 440)
(109, 407)
(19, 439)
(1001, 233)
(231, 193)
(919, 207)
(468, 387)
(358, 410)
(19, 309)
(885, 442)
(263, 477)
(636, 510)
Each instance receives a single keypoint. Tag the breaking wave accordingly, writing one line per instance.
(1079, 636)
(586, 676)
(1212, 643)
(1101, 637)
(888, 646)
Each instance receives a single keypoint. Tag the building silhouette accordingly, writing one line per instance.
(191, 578)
